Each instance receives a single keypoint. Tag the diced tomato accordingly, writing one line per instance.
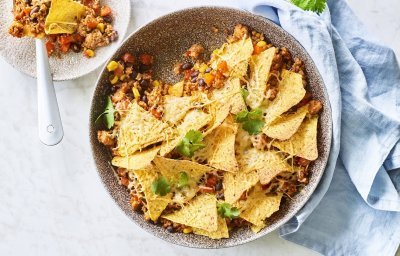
(52, 38)
(209, 78)
(92, 24)
(66, 39)
(50, 47)
(124, 181)
(78, 38)
(243, 196)
(145, 59)
(128, 58)
(211, 180)
(27, 10)
(187, 74)
(222, 67)
(65, 47)
(119, 71)
(258, 49)
(204, 189)
(105, 11)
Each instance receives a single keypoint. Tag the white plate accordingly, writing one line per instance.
(20, 52)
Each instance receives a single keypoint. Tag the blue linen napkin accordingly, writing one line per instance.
(356, 207)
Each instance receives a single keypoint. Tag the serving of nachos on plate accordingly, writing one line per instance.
(222, 148)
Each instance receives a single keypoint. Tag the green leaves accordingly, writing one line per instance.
(190, 143)
(252, 121)
(226, 210)
(108, 114)
(183, 180)
(244, 93)
(317, 6)
(160, 186)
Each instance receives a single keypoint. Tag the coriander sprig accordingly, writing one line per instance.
(317, 6)
(108, 114)
(190, 143)
(252, 121)
(161, 186)
(226, 210)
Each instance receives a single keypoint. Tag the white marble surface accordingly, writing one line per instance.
(51, 200)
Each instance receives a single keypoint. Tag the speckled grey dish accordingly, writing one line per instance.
(20, 52)
(167, 38)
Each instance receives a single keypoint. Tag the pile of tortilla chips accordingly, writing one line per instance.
(145, 143)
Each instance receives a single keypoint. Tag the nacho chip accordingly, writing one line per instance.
(235, 184)
(290, 92)
(136, 161)
(63, 17)
(257, 229)
(171, 169)
(285, 126)
(221, 232)
(176, 89)
(268, 164)
(219, 151)
(200, 213)
(258, 206)
(230, 94)
(139, 129)
(236, 55)
(175, 108)
(304, 142)
(260, 66)
(194, 120)
(155, 204)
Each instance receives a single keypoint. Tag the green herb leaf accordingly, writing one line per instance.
(244, 93)
(108, 114)
(190, 143)
(317, 6)
(226, 210)
(183, 180)
(253, 127)
(160, 186)
(252, 121)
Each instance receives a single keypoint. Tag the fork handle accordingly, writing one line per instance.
(49, 120)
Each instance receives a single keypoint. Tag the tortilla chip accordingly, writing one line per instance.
(194, 119)
(256, 229)
(235, 184)
(258, 206)
(139, 129)
(175, 108)
(268, 164)
(260, 66)
(236, 55)
(63, 17)
(176, 89)
(155, 204)
(171, 169)
(230, 94)
(304, 142)
(284, 127)
(200, 213)
(219, 151)
(290, 92)
(136, 161)
(221, 232)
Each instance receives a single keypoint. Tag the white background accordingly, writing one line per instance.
(51, 200)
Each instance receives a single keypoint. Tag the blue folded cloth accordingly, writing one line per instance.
(356, 207)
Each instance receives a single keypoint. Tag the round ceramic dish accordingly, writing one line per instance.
(20, 52)
(167, 38)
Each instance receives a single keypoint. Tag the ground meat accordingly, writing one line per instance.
(298, 67)
(239, 32)
(195, 51)
(260, 141)
(314, 107)
(95, 39)
(106, 138)
(271, 93)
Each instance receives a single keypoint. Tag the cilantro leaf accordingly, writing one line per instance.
(252, 121)
(183, 180)
(317, 6)
(160, 186)
(108, 114)
(253, 127)
(190, 143)
(225, 210)
(244, 93)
